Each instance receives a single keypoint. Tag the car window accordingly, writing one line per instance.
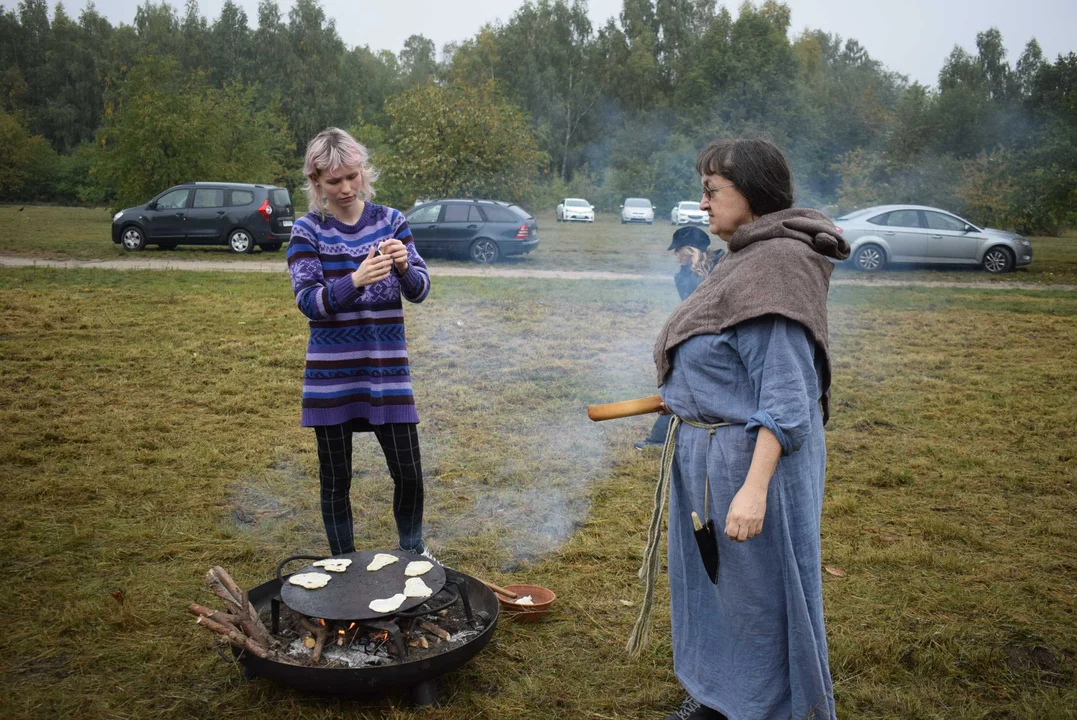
(473, 214)
(496, 213)
(424, 214)
(637, 202)
(577, 203)
(175, 200)
(240, 198)
(456, 213)
(280, 197)
(938, 221)
(897, 218)
(689, 206)
(523, 213)
(208, 198)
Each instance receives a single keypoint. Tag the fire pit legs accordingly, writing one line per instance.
(467, 603)
(274, 611)
(394, 634)
(425, 695)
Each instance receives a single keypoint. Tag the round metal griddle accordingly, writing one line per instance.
(349, 594)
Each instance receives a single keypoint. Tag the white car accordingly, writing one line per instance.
(575, 209)
(637, 210)
(687, 212)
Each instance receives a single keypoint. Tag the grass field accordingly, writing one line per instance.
(79, 233)
(151, 431)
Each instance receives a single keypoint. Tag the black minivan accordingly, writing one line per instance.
(485, 230)
(238, 215)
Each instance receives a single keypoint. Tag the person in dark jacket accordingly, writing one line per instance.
(690, 246)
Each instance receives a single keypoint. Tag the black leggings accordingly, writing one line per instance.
(400, 443)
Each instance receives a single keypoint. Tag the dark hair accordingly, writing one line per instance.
(756, 168)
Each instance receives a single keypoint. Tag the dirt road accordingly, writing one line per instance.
(497, 272)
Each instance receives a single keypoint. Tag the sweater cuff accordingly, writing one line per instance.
(763, 419)
(412, 280)
(343, 294)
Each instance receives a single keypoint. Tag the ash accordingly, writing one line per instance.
(361, 649)
(351, 657)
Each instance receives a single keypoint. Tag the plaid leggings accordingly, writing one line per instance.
(400, 443)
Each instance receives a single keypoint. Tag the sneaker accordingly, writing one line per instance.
(425, 552)
(690, 709)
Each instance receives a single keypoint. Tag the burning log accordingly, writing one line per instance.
(320, 633)
(435, 630)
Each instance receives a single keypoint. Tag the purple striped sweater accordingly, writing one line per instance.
(357, 357)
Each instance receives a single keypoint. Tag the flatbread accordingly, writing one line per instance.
(525, 600)
(311, 580)
(334, 564)
(388, 605)
(381, 560)
(418, 567)
(416, 588)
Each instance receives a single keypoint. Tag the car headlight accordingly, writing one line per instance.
(1024, 241)
(117, 216)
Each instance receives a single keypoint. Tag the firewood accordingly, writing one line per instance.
(214, 615)
(321, 634)
(238, 640)
(434, 629)
(224, 587)
(213, 580)
(420, 642)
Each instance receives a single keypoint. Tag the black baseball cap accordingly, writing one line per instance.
(690, 236)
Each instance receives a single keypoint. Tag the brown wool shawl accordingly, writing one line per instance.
(776, 265)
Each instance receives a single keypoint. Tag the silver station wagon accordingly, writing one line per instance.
(887, 234)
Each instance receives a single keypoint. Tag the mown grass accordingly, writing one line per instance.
(151, 431)
(80, 233)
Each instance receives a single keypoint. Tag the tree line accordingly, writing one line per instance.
(537, 107)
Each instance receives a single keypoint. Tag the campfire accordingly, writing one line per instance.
(333, 642)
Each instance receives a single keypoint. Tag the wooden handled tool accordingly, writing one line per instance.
(500, 590)
(626, 408)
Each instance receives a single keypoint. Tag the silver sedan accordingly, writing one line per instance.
(917, 234)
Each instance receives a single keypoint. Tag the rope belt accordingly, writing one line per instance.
(649, 569)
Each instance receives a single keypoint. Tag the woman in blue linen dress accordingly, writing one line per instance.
(751, 646)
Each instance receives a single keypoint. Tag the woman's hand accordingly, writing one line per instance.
(372, 270)
(745, 517)
(664, 410)
(398, 252)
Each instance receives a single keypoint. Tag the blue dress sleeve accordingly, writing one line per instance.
(779, 355)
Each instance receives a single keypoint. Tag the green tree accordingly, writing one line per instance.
(458, 141)
(171, 128)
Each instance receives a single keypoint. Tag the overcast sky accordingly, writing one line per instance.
(912, 37)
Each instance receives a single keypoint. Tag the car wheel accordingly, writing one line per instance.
(484, 251)
(998, 260)
(240, 241)
(132, 238)
(271, 247)
(869, 258)
(167, 246)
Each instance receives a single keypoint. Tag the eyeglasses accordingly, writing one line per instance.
(710, 193)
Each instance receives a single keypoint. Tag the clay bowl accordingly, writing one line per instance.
(542, 598)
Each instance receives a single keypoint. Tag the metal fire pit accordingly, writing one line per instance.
(418, 676)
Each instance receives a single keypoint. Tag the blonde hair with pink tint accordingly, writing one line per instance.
(329, 151)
